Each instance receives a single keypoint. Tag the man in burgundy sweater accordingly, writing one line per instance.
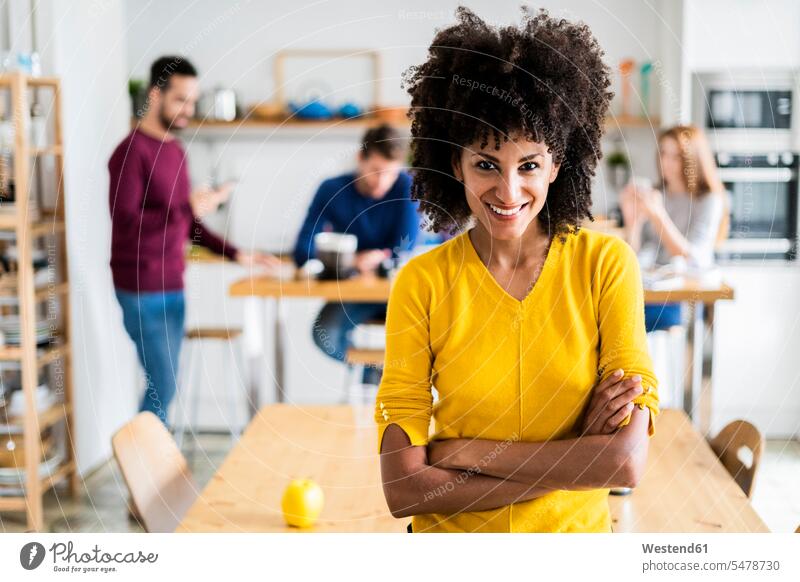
(153, 217)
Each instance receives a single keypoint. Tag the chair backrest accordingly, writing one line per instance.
(158, 477)
(724, 229)
(740, 438)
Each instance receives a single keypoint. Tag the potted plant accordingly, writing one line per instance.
(138, 93)
(619, 168)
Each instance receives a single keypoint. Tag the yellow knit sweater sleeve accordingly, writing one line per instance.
(623, 337)
(404, 397)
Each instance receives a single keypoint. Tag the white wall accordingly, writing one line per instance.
(83, 43)
(233, 43)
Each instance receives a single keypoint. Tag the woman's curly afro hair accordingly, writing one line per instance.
(544, 79)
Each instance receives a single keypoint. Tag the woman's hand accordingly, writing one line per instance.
(649, 201)
(611, 403)
(633, 215)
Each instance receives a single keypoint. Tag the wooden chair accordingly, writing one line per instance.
(729, 444)
(158, 478)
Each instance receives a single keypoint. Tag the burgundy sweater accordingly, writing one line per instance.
(151, 218)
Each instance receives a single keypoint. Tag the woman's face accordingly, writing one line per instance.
(506, 188)
(671, 163)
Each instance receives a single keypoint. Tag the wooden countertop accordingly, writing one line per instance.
(325, 443)
(375, 289)
(685, 488)
(362, 288)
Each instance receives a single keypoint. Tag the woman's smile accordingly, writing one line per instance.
(506, 213)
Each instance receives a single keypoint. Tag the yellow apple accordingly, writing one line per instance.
(302, 502)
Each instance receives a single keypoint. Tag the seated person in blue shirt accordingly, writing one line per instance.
(374, 204)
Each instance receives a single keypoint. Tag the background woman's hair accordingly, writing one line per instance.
(699, 168)
(543, 79)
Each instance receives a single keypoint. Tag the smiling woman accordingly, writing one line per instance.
(531, 329)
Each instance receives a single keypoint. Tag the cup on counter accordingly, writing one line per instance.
(621, 491)
(337, 253)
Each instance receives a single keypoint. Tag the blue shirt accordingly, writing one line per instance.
(389, 223)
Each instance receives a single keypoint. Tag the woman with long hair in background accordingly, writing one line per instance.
(683, 218)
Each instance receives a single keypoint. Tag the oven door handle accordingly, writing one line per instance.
(751, 175)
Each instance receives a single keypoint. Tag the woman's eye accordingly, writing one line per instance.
(529, 166)
(485, 165)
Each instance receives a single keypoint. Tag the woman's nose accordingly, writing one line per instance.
(509, 189)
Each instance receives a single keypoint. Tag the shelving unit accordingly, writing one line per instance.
(256, 128)
(622, 122)
(48, 228)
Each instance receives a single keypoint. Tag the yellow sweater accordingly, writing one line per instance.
(506, 369)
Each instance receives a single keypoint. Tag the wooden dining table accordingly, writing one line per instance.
(259, 290)
(684, 488)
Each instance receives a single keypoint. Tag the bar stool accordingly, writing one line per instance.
(666, 349)
(356, 392)
(188, 395)
(367, 351)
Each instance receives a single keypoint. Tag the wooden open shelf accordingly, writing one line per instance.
(47, 224)
(47, 418)
(361, 122)
(64, 471)
(46, 292)
(52, 82)
(253, 124)
(27, 227)
(52, 150)
(46, 356)
(632, 122)
(45, 484)
(8, 288)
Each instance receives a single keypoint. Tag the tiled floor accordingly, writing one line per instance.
(776, 496)
(102, 506)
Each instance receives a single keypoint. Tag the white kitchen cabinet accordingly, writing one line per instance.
(721, 35)
(756, 375)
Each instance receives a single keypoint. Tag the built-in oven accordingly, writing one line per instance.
(747, 111)
(763, 205)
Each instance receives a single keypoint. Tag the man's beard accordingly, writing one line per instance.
(166, 122)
